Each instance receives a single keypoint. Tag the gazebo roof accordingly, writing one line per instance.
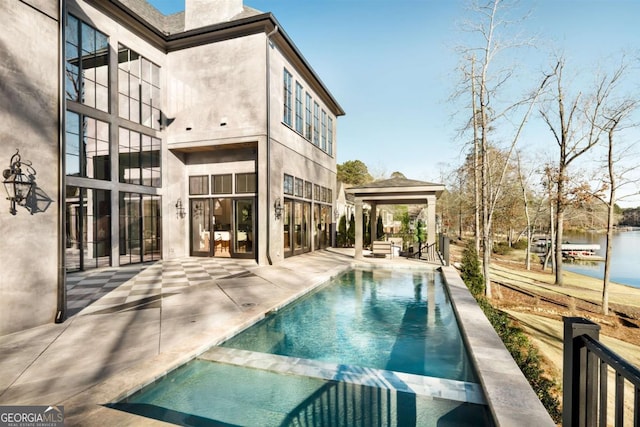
(396, 191)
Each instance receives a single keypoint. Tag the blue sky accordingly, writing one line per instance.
(391, 64)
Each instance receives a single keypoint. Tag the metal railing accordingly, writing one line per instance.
(434, 252)
(343, 404)
(587, 367)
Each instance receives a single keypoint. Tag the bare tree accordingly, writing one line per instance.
(616, 115)
(525, 201)
(575, 129)
(485, 85)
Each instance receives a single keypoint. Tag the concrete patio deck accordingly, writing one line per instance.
(169, 313)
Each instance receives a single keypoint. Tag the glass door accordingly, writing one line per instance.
(222, 227)
(287, 232)
(243, 242)
(200, 227)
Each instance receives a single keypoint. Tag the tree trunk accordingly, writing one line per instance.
(610, 220)
(476, 171)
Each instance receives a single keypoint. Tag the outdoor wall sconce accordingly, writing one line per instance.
(180, 209)
(17, 184)
(277, 206)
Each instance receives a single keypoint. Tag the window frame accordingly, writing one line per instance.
(248, 177)
(299, 117)
(226, 179)
(316, 124)
(204, 179)
(308, 126)
(287, 184)
(287, 114)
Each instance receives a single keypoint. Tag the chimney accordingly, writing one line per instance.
(200, 13)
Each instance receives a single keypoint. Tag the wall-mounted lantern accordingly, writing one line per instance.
(17, 184)
(180, 209)
(277, 207)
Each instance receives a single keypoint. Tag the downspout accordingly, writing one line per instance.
(268, 82)
(61, 310)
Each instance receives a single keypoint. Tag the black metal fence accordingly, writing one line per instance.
(588, 367)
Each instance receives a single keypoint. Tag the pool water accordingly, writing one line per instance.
(386, 319)
(374, 347)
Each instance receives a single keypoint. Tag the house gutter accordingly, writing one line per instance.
(268, 83)
(61, 310)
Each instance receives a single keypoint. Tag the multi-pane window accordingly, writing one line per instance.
(316, 124)
(246, 182)
(316, 192)
(299, 120)
(221, 184)
(86, 65)
(308, 190)
(299, 187)
(330, 137)
(308, 126)
(88, 226)
(139, 158)
(287, 97)
(324, 130)
(288, 184)
(198, 185)
(140, 228)
(138, 88)
(87, 147)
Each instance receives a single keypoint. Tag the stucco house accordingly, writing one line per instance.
(146, 137)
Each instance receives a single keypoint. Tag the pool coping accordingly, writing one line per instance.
(510, 398)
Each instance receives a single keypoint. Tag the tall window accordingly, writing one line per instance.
(138, 88)
(299, 122)
(140, 228)
(88, 227)
(87, 147)
(288, 184)
(86, 65)
(316, 124)
(324, 130)
(287, 97)
(330, 136)
(139, 157)
(307, 123)
(299, 187)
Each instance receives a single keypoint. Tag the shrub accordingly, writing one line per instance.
(470, 270)
(523, 352)
(520, 244)
(501, 248)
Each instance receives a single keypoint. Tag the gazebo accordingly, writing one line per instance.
(394, 191)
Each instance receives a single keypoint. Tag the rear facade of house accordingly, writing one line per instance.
(146, 137)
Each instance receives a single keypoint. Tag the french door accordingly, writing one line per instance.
(222, 227)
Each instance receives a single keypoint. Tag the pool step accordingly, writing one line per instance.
(439, 388)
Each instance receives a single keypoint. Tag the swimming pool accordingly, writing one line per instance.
(397, 320)
(373, 347)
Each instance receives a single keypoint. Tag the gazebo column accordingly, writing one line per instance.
(431, 220)
(373, 222)
(358, 234)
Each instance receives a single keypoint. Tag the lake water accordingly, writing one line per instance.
(625, 268)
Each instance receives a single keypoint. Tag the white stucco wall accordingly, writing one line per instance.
(29, 110)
